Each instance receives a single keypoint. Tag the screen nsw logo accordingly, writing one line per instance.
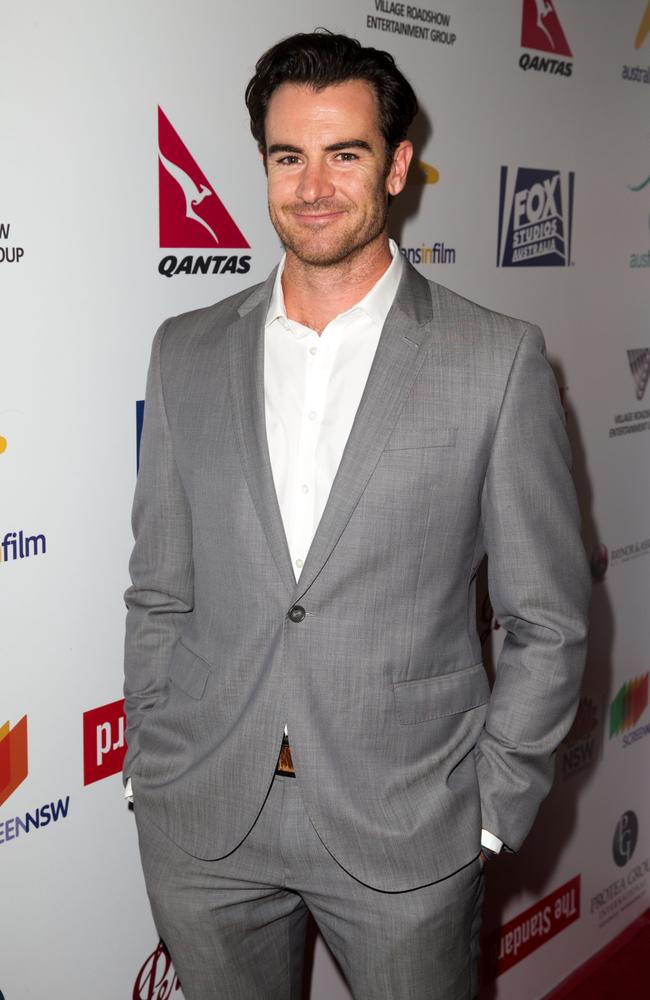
(535, 217)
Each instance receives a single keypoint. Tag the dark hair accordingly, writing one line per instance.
(323, 58)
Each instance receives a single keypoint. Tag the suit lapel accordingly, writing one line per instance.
(247, 391)
(398, 359)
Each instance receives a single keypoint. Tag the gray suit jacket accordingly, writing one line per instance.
(401, 751)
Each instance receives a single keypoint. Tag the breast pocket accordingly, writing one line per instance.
(404, 438)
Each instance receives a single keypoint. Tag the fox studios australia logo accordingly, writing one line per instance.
(535, 217)
(191, 215)
(541, 31)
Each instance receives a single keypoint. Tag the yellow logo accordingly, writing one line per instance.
(644, 28)
(3, 444)
(423, 173)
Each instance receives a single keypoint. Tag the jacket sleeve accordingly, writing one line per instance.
(539, 585)
(162, 590)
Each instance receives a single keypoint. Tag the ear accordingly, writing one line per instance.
(396, 178)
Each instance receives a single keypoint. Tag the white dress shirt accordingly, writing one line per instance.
(313, 385)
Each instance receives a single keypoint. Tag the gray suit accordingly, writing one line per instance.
(401, 751)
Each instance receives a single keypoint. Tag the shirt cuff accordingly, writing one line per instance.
(491, 842)
(128, 790)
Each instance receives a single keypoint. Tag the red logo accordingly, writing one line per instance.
(104, 741)
(190, 212)
(541, 29)
(156, 980)
(13, 757)
(531, 929)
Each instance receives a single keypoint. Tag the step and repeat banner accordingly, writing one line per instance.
(131, 189)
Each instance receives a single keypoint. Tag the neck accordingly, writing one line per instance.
(315, 295)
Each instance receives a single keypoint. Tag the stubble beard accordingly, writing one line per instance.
(306, 246)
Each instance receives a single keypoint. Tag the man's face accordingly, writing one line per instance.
(326, 165)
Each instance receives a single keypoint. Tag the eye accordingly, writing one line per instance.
(289, 160)
(346, 157)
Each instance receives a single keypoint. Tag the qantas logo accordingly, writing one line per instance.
(541, 29)
(190, 212)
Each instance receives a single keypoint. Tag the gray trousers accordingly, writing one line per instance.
(235, 928)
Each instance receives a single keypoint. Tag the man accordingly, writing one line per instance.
(325, 461)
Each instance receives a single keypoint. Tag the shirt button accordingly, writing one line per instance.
(304, 488)
(312, 350)
(312, 414)
(297, 614)
(299, 563)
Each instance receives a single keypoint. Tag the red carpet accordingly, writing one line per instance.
(620, 971)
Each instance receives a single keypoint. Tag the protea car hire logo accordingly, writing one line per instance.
(535, 217)
(541, 31)
(191, 215)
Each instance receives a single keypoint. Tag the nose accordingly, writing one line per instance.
(315, 183)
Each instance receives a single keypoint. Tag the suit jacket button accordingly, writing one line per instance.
(297, 613)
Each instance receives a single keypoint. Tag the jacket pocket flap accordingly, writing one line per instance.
(421, 437)
(436, 697)
(189, 671)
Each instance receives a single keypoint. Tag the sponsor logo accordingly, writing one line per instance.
(9, 254)
(439, 253)
(626, 835)
(541, 31)
(13, 757)
(578, 750)
(19, 545)
(627, 708)
(139, 421)
(531, 929)
(599, 562)
(104, 741)
(156, 980)
(634, 421)
(630, 886)
(411, 20)
(640, 259)
(3, 444)
(191, 215)
(535, 218)
(631, 551)
(422, 173)
(36, 819)
(639, 74)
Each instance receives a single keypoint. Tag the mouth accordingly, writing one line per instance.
(316, 218)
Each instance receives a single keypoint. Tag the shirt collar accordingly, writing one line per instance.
(376, 303)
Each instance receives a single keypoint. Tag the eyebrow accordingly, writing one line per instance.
(335, 147)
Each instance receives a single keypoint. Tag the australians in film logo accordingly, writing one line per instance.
(634, 421)
(191, 214)
(542, 32)
(429, 252)
(626, 709)
(635, 72)
(13, 771)
(104, 741)
(631, 884)
(535, 217)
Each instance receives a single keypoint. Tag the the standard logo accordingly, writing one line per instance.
(529, 930)
(639, 74)
(13, 771)
(104, 741)
(157, 979)
(634, 421)
(630, 886)
(412, 21)
(191, 215)
(541, 31)
(578, 750)
(13, 757)
(535, 217)
(626, 709)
